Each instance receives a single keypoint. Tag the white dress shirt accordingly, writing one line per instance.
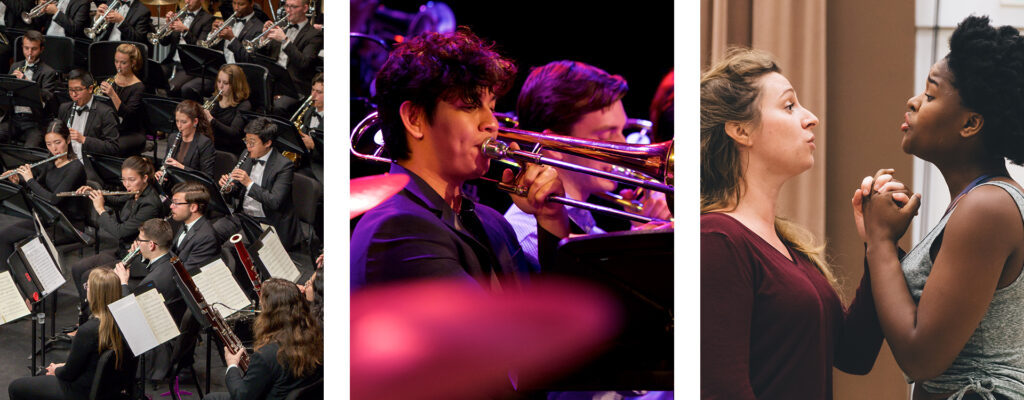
(249, 205)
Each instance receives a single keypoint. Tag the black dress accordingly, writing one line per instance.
(228, 124)
(131, 127)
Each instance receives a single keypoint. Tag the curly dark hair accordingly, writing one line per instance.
(432, 67)
(557, 95)
(987, 64)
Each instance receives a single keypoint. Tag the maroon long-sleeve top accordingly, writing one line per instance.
(771, 327)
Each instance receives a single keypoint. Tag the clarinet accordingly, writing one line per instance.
(243, 255)
(220, 327)
(230, 181)
(170, 152)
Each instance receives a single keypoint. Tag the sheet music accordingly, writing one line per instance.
(129, 317)
(277, 261)
(42, 264)
(12, 305)
(49, 243)
(217, 285)
(157, 315)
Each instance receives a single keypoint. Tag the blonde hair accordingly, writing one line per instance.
(238, 83)
(134, 56)
(729, 91)
(105, 288)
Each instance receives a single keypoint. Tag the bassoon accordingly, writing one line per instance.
(220, 327)
(250, 270)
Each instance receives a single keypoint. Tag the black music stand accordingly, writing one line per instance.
(108, 168)
(217, 202)
(19, 92)
(13, 156)
(287, 136)
(283, 84)
(200, 62)
(637, 268)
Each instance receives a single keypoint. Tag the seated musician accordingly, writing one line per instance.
(130, 22)
(11, 18)
(313, 122)
(195, 242)
(583, 101)
(192, 27)
(264, 184)
(436, 94)
(289, 348)
(226, 115)
(313, 290)
(136, 176)
(65, 18)
(93, 124)
(73, 379)
(247, 24)
(126, 95)
(296, 47)
(24, 125)
(194, 151)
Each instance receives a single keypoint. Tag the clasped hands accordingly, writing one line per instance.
(883, 207)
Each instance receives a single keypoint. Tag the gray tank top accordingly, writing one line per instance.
(992, 361)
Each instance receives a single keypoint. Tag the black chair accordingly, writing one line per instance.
(106, 376)
(101, 59)
(306, 196)
(159, 118)
(224, 163)
(155, 77)
(259, 86)
(55, 55)
(288, 139)
(311, 391)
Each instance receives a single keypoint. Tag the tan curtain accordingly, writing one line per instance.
(794, 31)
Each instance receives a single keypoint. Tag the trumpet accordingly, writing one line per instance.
(214, 38)
(210, 102)
(10, 173)
(156, 37)
(102, 193)
(296, 118)
(241, 159)
(654, 161)
(100, 24)
(259, 41)
(36, 11)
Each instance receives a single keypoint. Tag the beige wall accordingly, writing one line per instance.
(870, 76)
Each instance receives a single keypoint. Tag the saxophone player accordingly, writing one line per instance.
(25, 124)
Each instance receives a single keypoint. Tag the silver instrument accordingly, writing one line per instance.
(214, 38)
(10, 173)
(170, 152)
(102, 192)
(259, 41)
(156, 37)
(128, 257)
(209, 103)
(241, 159)
(36, 11)
(100, 24)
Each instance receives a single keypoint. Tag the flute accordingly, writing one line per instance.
(8, 174)
(102, 193)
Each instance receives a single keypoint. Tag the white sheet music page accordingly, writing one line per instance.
(49, 242)
(42, 264)
(157, 316)
(129, 317)
(12, 305)
(217, 285)
(276, 259)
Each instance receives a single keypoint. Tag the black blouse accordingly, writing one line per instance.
(228, 124)
(131, 107)
(51, 180)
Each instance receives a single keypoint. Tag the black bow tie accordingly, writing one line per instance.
(291, 26)
(189, 14)
(260, 162)
(80, 109)
(32, 66)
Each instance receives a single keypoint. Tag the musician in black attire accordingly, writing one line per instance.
(263, 184)
(193, 26)
(289, 348)
(93, 124)
(195, 151)
(12, 10)
(65, 18)
(312, 133)
(296, 47)
(130, 22)
(195, 242)
(73, 379)
(24, 124)
(126, 95)
(137, 176)
(226, 115)
(247, 24)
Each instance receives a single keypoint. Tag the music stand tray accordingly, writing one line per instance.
(200, 62)
(19, 92)
(283, 84)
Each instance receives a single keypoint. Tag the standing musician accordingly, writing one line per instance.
(194, 26)
(136, 176)
(93, 124)
(582, 101)
(66, 18)
(24, 124)
(126, 94)
(195, 242)
(264, 184)
(289, 348)
(226, 115)
(130, 22)
(313, 122)
(73, 379)
(248, 24)
(295, 47)
(436, 94)
(195, 151)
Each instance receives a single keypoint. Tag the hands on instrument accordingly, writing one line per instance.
(122, 273)
(25, 170)
(18, 74)
(654, 204)
(276, 33)
(232, 358)
(226, 34)
(50, 9)
(307, 140)
(178, 26)
(95, 195)
(240, 176)
(540, 181)
(77, 136)
(114, 17)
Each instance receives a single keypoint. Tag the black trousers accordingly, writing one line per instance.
(42, 387)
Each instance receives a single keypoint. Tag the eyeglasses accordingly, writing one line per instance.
(175, 203)
(76, 89)
(250, 142)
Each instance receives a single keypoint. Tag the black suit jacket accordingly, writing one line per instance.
(46, 77)
(266, 378)
(161, 273)
(12, 18)
(100, 129)
(274, 192)
(200, 245)
(252, 28)
(201, 26)
(303, 53)
(74, 21)
(136, 25)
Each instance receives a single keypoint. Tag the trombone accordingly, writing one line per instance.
(651, 165)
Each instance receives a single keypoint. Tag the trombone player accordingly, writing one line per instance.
(436, 94)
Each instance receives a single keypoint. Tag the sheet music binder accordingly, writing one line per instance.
(144, 320)
(11, 309)
(38, 273)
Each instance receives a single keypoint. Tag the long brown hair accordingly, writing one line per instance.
(194, 111)
(285, 319)
(105, 288)
(237, 82)
(729, 91)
